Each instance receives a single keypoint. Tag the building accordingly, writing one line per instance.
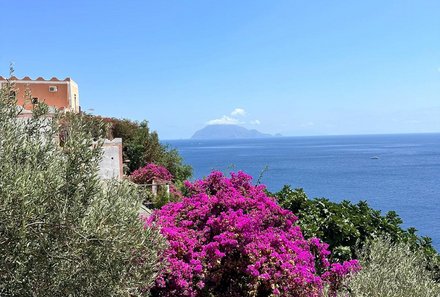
(60, 94)
(63, 95)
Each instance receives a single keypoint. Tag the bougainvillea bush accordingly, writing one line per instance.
(228, 238)
(150, 172)
(161, 175)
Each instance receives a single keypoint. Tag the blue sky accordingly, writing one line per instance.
(290, 67)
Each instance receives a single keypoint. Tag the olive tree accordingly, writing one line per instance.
(394, 270)
(63, 231)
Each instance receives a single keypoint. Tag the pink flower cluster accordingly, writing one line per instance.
(146, 174)
(228, 238)
(337, 273)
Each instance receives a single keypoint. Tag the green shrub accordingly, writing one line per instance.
(63, 232)
(141, 145)
(392, 270)
(346, 226)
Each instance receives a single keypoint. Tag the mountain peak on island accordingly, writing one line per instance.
(227, 132)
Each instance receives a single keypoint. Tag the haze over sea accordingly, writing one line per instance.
(391, 172)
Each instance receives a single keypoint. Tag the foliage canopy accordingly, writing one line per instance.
(346, 226)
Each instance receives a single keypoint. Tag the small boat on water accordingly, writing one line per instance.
(374, 157)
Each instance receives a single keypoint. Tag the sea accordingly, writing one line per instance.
(390, 172)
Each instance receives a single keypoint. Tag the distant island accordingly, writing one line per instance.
(227, 132)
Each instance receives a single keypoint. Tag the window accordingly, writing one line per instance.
(53, 89)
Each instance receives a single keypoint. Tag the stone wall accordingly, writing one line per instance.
(111, 163)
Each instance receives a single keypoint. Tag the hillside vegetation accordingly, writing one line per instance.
(347, 227)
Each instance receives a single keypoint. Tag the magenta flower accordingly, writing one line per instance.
(228, 238)
(146, 174)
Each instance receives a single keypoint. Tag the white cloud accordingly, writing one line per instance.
(255, 122)
(234, 118)
(224, 120)
(238, 112)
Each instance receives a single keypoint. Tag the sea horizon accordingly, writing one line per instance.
(390, 171)
(311, 135)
